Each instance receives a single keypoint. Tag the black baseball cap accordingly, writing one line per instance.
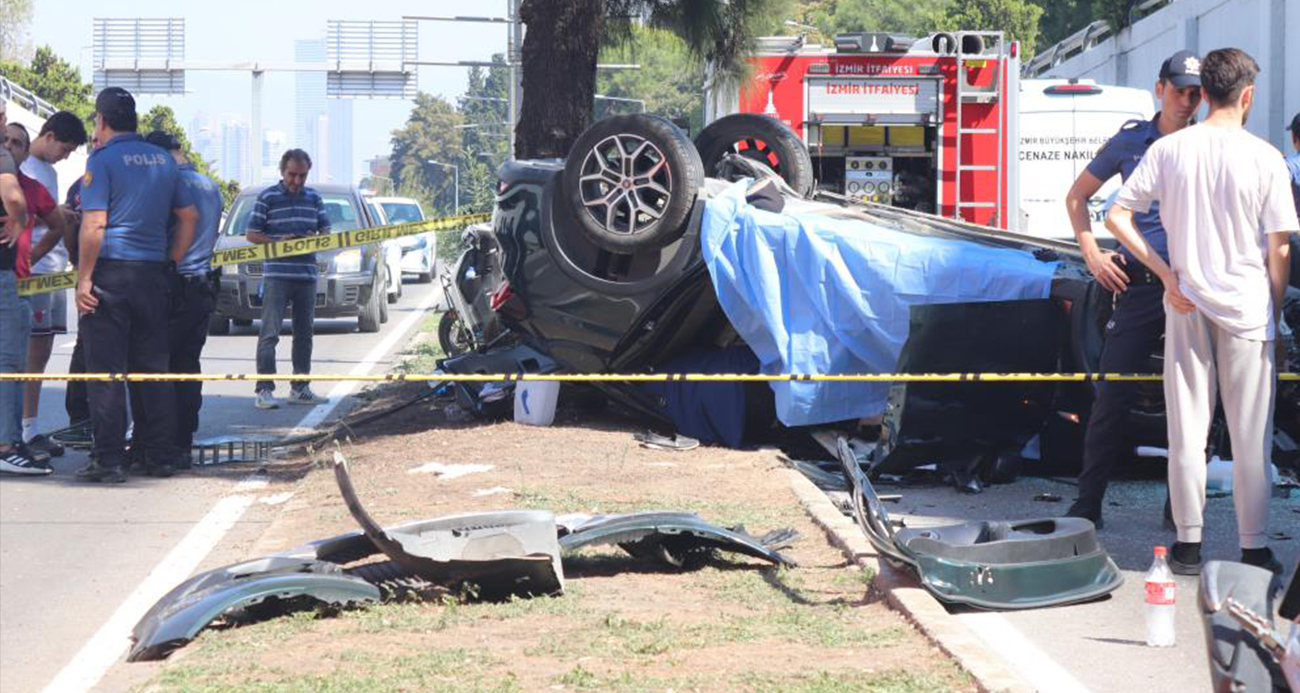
(164, 139)
(1182, 69)
(114, 100)
(1294, 127)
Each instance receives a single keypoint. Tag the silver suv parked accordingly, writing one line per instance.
(352, 281)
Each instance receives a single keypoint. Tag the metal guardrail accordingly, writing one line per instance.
(24, 97)
(1081, 41)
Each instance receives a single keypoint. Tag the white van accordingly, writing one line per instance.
(1062, 125)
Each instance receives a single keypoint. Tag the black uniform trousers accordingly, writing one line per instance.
(75, 399)
(1132, 336)
(193, 301)
(127, 332)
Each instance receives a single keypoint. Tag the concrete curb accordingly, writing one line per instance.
(991, 673)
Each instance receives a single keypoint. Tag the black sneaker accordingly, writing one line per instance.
(1262, 558)
(135, 459)
(43, 443)
(1185, 558)
(78, 435)
(17, 461)
(1086, 512)
(104, 475)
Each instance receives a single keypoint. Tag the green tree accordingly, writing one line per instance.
(54, 79)
(670, 81)
(907, 17)
(163, 118)
(15, 21)
(564, 38)
(1018, 19)
(1061, 18)
(431, 132)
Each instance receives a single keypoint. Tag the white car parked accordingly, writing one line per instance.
(392, 254)
(420, 252)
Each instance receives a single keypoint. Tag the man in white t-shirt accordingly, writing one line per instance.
(61, 135)
(1225, 200)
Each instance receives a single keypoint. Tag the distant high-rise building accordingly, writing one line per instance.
(274, 144)
(234, 149)
(205, 140)
(322, 126)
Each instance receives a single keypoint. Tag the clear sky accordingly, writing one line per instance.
(237, 30)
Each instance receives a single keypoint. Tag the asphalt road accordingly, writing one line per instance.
(77, 561)
(1100, 646)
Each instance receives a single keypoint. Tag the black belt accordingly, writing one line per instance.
(141, 264)
(1139, 274)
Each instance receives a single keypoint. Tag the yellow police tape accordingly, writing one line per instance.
(624, 377)
(45, 283)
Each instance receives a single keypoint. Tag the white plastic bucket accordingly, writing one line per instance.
(535, 402)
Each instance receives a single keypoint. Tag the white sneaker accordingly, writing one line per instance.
(17, 461)
(304, 395)
(265, 400)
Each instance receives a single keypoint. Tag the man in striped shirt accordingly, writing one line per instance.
(288, 209)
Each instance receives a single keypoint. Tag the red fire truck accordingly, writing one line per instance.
(923, 123)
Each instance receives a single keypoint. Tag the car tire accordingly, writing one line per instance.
(218, 326)
(762, 138)
(452, 335)
(656, 167)
(371, 316)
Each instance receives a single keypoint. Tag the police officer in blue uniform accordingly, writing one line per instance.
(193, 299)
(124, 281)
(1138, 323)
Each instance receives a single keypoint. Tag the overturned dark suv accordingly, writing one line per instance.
(594, 264)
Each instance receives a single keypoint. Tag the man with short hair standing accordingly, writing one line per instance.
(123, 288)
(60, 135)
(1138, 322)
(288, 209)
(1225, 200)
(15, 316)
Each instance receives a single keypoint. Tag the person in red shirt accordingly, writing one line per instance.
(39, 205)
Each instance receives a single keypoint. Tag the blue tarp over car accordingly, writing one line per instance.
(812, 294)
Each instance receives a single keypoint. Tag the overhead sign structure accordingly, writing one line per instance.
(143, 56)
(371, 59)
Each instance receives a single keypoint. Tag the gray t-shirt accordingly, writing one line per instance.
(1222, 191)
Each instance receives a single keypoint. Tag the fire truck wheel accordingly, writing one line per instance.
(631, 182)
(762, 138)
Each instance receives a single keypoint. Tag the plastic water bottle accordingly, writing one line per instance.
(1160, 602)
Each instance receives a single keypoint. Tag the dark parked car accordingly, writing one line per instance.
(595, 262)
(352, 281)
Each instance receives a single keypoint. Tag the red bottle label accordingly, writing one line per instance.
(1160, 593)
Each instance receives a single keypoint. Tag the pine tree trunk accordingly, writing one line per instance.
(559, 74)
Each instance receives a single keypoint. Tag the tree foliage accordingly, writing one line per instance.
(1018, 19)
(431, 133)
(54, 79)
(15, 21)
(164, 118)
(907, 17)
(670, 81)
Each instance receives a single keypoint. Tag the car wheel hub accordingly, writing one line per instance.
(625, 184)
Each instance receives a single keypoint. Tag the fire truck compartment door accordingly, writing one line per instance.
(874, 96)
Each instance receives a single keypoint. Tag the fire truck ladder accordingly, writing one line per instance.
(966, 93)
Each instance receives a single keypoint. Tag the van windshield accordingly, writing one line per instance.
(342, 212)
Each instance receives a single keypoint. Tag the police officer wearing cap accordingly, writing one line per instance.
(1137, 325)
(129, 191)
(192, 300)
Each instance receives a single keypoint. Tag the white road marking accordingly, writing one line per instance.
(1021, 653)
(112, 639)
(343, 388)
(108, 644)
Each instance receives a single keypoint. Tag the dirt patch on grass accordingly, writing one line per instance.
(623, 624)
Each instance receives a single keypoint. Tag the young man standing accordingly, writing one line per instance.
(1225, 200)
(1135, 328)
(15, 315)
(286, 210)
(61, 135)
